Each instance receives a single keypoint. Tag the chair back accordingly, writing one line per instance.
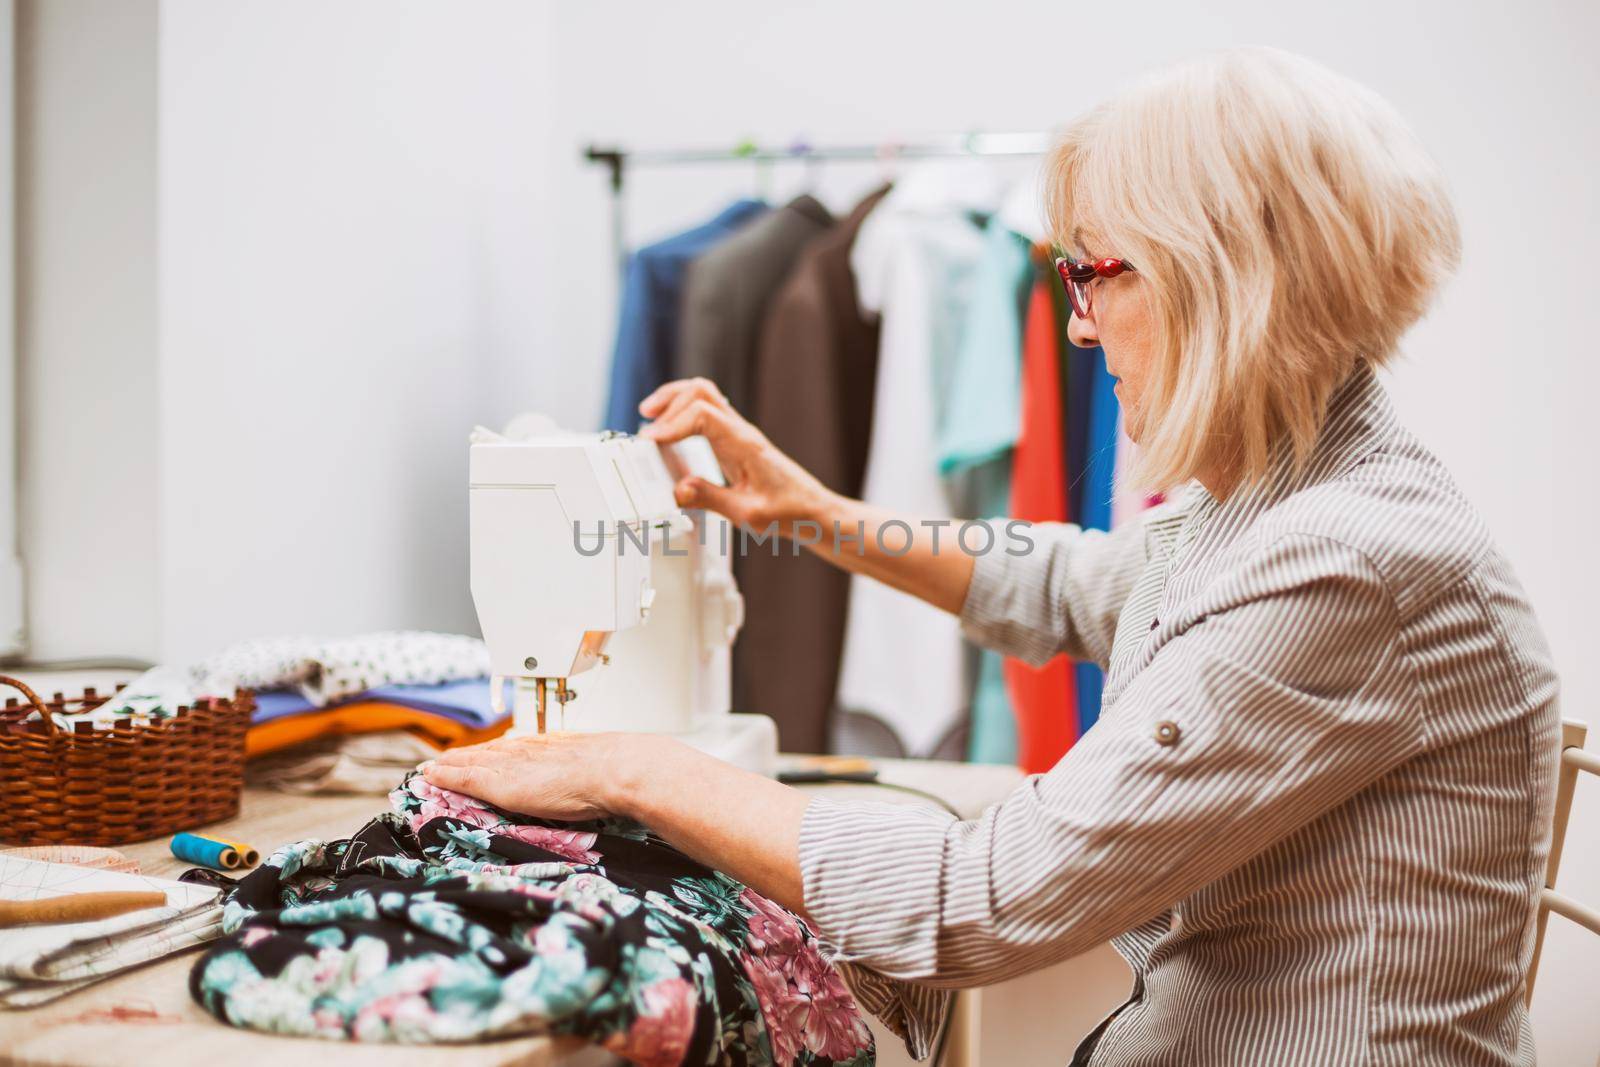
(1574, 759)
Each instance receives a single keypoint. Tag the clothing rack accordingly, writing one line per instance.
(618, 160)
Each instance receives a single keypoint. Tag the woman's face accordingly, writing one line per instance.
(1120, 322)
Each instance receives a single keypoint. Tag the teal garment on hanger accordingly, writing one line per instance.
(975, 438)
(984, 408)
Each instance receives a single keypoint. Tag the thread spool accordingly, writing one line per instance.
(206, 851)
(248, 856)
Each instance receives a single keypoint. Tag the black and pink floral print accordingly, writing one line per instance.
(450, 920)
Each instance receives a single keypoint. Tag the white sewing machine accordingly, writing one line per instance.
(583, 564)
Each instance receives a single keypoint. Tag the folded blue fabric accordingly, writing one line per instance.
(278, 703)
(465, 701)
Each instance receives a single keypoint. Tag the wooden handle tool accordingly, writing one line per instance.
(76, 907)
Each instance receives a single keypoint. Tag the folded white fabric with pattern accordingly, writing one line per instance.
(324, 670)
(40, 963)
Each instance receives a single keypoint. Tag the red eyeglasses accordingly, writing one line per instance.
(1076, 276)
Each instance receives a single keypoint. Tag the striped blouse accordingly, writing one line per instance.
(1314, 812)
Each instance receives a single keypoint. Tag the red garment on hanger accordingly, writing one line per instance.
(1044, 700)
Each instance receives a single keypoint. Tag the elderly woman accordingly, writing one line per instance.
(1313, 813)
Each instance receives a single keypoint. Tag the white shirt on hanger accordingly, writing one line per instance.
(912, 261)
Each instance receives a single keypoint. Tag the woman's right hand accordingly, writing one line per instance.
(764, 485)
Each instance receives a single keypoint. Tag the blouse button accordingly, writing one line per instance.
(1167, 733)
(1154, 623)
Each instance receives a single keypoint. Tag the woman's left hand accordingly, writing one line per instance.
(553, 776)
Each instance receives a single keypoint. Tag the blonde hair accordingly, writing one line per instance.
(1284, 223)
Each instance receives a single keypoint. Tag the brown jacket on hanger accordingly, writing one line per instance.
(727, 290)
(815, 368)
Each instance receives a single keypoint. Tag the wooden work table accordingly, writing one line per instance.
(146, 1016)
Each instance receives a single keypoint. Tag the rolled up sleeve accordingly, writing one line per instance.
(1276, 706)
(845, 885)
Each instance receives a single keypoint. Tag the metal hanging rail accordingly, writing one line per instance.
(618, 160)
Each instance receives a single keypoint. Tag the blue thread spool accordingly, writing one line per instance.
(218, 855)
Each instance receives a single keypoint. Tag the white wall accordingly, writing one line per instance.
(11, 622)
(1500, 380)
(266, 294)
(352, 275)
(86, 329)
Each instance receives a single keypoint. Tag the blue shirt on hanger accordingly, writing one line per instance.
(647, 326)
(1095, 511)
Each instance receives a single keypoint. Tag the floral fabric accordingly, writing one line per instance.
(450, 920)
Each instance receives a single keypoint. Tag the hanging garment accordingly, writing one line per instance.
(914, 262)
(450, 920)
(1076, 380)
(1042, 698)
(816, 365)
(1083, 379)
(984, 409)
(647, 326)
(977, 436)
(1098, 477)
(727, 290)
(1104, 418)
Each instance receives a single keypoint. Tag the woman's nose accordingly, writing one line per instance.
(1082, 332)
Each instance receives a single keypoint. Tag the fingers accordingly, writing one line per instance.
(546, 776)
(504, 751)
(674, 403)
(699, 493)
(486, 751)
(698, 416)
(472, 779)
(656, 403)
(674, 395)
(698, 389)
(457, 756)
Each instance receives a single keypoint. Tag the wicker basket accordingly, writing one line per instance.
(131, 782)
